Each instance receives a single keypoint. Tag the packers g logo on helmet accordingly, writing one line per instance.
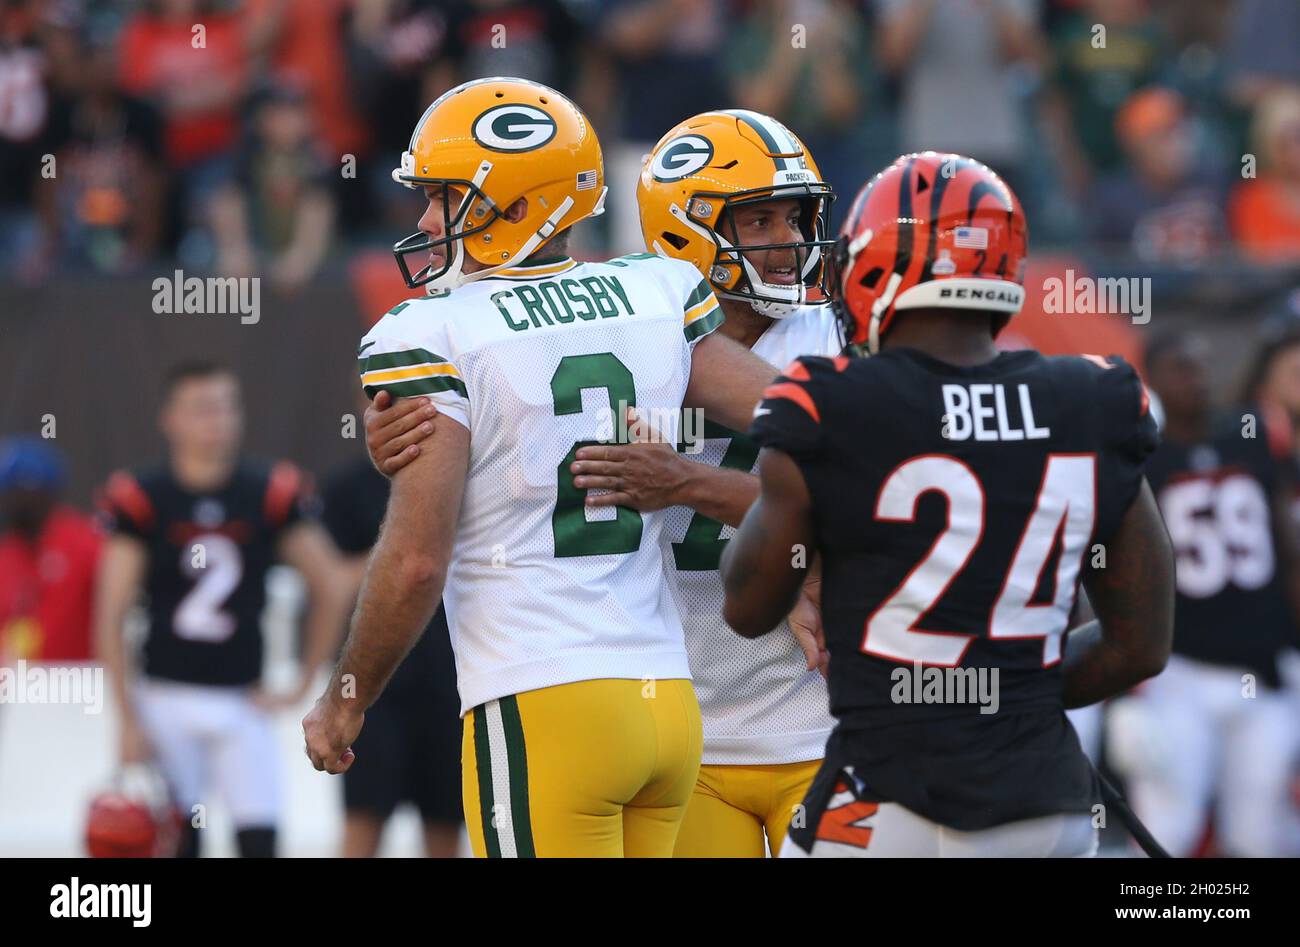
(513, 128)
(681, 158)
(511, 163)
(709, 167)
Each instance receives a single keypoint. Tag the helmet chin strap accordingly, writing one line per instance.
(542, 234)
(454, 277)
(451, 278)
(797, 296)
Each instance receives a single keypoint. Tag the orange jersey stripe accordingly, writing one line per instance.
(796, 371)
(792, 392)
(127, 496)
(281, 490)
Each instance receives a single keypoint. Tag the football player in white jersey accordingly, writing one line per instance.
(737, 195)
(582, 732)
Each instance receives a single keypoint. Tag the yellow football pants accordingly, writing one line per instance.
(733, 806)
(599, 768)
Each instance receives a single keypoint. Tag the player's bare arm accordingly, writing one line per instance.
(653, 476)
(399, 594)
(117, 585)
(1133, 597)
(766, 562)
(394, 428)
(649, 474)
(307, 548)
(727, 381)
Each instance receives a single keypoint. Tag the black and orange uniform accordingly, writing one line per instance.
(205, 588)
(954, 509)
(209, 553)
(1219, 499)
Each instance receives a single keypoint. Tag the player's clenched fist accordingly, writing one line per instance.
(329, 729)
(394, 428)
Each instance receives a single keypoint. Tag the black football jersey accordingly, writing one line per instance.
(209, 554)
(954, 509)
(1217, 500)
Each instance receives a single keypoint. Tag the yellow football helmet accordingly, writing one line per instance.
(497, 140)
(707, 166)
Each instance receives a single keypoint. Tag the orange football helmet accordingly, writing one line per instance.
(711, 164)
(932, 230)
(133, 818)
(494, 141)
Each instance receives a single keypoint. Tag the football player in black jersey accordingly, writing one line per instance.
(195, 537)
(954, 495)
(1216, 725)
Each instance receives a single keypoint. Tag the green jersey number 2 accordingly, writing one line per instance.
(701, 548)
(575, 535)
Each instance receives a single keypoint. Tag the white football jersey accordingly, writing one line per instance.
(760, 703)
(538, 361)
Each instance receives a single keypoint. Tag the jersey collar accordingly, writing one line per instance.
(535, 268)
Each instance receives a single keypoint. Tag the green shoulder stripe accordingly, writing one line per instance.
(618, 261)
(372, 363)
(698, 295)
(419, 386)
(704, 324)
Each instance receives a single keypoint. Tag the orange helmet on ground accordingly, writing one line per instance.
(134, 818)
(932, 230)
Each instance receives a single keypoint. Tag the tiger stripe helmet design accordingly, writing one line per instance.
(497, 140)
(706, 167)
(932, 230)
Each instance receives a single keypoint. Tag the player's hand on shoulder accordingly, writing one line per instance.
(645, 474)
(394, 428)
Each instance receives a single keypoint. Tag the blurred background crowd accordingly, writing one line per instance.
(1146, 138)
(271, 151)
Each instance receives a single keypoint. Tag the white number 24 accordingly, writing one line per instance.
(1065, 508)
